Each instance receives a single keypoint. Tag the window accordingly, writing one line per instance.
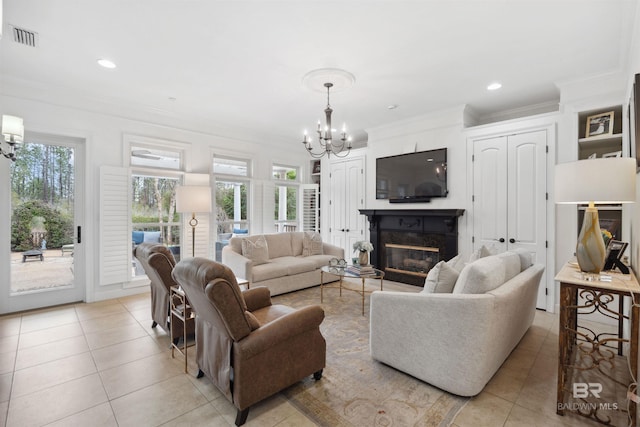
(157, 158)
(153, 214)
(156, 167)
(286, 197)
(232, 195)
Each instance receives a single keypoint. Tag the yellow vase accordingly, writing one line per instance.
(590, 250)
(363, 258)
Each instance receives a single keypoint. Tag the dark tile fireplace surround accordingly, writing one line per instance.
(419, 232)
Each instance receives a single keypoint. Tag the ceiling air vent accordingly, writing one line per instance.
(25, 37)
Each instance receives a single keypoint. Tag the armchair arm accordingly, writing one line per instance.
(257, 298)
(241, 266)
(281, 329)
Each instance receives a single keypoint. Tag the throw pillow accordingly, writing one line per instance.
(256, 251)
(441, 279)
(457, 263)
(311, 244)
(482, 252)
(481, 276)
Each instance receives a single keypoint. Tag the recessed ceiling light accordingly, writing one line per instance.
(392, 106)
(494, 86)
(106, 63)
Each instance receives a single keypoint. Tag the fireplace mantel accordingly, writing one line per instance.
(413, 223)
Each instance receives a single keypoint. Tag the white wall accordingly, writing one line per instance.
(103, 135)
(439, 130)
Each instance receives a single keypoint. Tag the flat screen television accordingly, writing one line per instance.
(412, 177)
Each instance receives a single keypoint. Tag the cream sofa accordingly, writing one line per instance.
(457, 341)
(286, 268)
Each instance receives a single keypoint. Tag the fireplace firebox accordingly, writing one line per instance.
(408, 243)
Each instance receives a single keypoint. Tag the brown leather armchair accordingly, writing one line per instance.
(158, 262)
(249, 348)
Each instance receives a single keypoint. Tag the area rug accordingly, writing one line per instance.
(356, 390)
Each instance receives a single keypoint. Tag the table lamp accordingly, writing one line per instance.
(192, 199)
(594, 181)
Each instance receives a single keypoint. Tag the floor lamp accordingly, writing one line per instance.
(594, 181)
(192, 199)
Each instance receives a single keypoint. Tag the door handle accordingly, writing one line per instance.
(79, 234)
(347, 230)
(512, 240)
(342, 229)
(501, 240)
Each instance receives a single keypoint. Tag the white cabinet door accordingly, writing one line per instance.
(509, 195)
(346, 194)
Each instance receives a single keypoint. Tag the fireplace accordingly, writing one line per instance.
(408, 243)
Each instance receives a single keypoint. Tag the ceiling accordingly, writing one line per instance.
(230, 65)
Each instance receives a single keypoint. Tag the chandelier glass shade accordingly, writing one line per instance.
(327, 145)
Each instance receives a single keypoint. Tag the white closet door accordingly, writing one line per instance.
(527, 187)
(354, 201)
(527, 182)
(337, 191)
(490, 194)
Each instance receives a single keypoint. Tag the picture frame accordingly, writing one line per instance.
(612, 154)
(599, 125)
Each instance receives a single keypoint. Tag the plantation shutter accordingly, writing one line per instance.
(268, 206)
(115, 235)
(310, 197)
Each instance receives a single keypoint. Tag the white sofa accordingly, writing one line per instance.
(457, 341)
(293, 262)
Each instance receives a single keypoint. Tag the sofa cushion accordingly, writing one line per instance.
(279, 245)
(269, 270)
(311, 243)
(319, 261)
(137, 237)
(295, 265)
(440, 279)
(481, 276)
(256, 250)
(151, 236)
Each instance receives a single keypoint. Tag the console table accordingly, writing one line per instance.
(583, 352)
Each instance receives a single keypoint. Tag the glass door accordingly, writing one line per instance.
(45, 255)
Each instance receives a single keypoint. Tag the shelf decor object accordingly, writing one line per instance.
(594, 181)
(193, 199)
(599, 124)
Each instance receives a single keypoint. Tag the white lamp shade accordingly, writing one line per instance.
(192, 199)
(12, 127)
(607, 180)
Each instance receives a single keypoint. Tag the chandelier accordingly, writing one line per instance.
(12, 133)
(327, 145)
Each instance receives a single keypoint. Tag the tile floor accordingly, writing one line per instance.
(101, 364)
